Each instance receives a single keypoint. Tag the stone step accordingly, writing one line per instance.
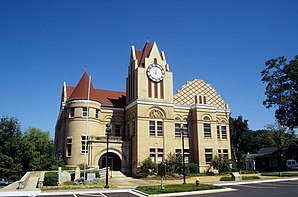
(117, 174)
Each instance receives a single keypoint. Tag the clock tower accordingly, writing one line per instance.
(150, 109)
(149, 77)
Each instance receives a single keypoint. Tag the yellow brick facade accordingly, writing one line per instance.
(148, 121)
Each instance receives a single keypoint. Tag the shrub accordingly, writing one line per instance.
(79, 181)
(249, 172)
(227, 178)
(174, 163)
(148, 167)
(50, 179)
(140, 175)
(220, 164)
(192, 168)
(250, 177)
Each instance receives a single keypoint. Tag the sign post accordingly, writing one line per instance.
(161, 173)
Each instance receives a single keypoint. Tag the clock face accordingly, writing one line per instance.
(155, 72)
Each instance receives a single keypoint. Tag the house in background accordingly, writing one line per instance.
(273, 158)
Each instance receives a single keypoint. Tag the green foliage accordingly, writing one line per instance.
(249, 172)
(140, 175)
(174, 163)
(227, 178)
(280, 174)
(147, 166)
(150, 190)
(281, 79)
(250, 177)
(240, 137)
(50, 179)
(191, 168)
(221, 164)
(19, 153)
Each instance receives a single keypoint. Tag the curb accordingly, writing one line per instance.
(255, 182)
(211, 191)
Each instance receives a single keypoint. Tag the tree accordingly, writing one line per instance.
(174, 163)
(19, 153)
(10, 148)
(220, 164)
(240, 137)
(281, 78)
(38, 148)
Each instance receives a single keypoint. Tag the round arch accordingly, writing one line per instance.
(114, 160)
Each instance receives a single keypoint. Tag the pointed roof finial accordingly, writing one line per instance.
(85, 68)
(148, 39)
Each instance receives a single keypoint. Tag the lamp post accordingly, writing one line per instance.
(108, 133)
(182, 130)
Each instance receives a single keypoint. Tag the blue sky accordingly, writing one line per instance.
(225, 43)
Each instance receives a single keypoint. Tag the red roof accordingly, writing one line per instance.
(141, 55)
(107, 97)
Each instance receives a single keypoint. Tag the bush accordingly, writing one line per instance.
(249, 172)
(50, 179)
(174, 163)
(250, 177)
(227, 178)
(140, 175)
(148, 167)
(191, 168)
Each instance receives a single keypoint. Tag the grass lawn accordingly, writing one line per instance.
(176, 188)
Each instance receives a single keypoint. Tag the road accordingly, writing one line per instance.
(271, 189)
(267, 189)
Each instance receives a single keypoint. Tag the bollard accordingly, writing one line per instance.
(197, 181)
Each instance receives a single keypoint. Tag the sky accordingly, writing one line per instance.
(224, 43)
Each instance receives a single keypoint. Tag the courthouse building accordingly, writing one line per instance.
(146, 120)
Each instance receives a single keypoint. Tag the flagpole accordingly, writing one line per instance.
(86, 137)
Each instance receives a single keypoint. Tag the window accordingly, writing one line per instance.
(219, 153)
(177, 129)
(207, 130)
(178, 153)
(207, 127)
(179, 124)
(186, 154)
(224, 132)
(84, 144)
(160, 155)
(97, 113)
(117, 130)
(152, 154)
(218, 132)
(206, 118)
(155, 127)
(68, 144)
(272, 162)
(152, 128)
(225, 153)
(159, 128)
(185, 132)
(85, 112)
(208, 155)
(72, 112)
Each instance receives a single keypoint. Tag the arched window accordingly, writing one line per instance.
(223, 130)
(207, 127)
(206, 118)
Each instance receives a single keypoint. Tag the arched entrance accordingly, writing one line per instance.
(114, 161)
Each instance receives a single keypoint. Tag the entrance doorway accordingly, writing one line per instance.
(114, 162)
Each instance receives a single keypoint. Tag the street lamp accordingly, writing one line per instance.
(182, 131)
(108, 133)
